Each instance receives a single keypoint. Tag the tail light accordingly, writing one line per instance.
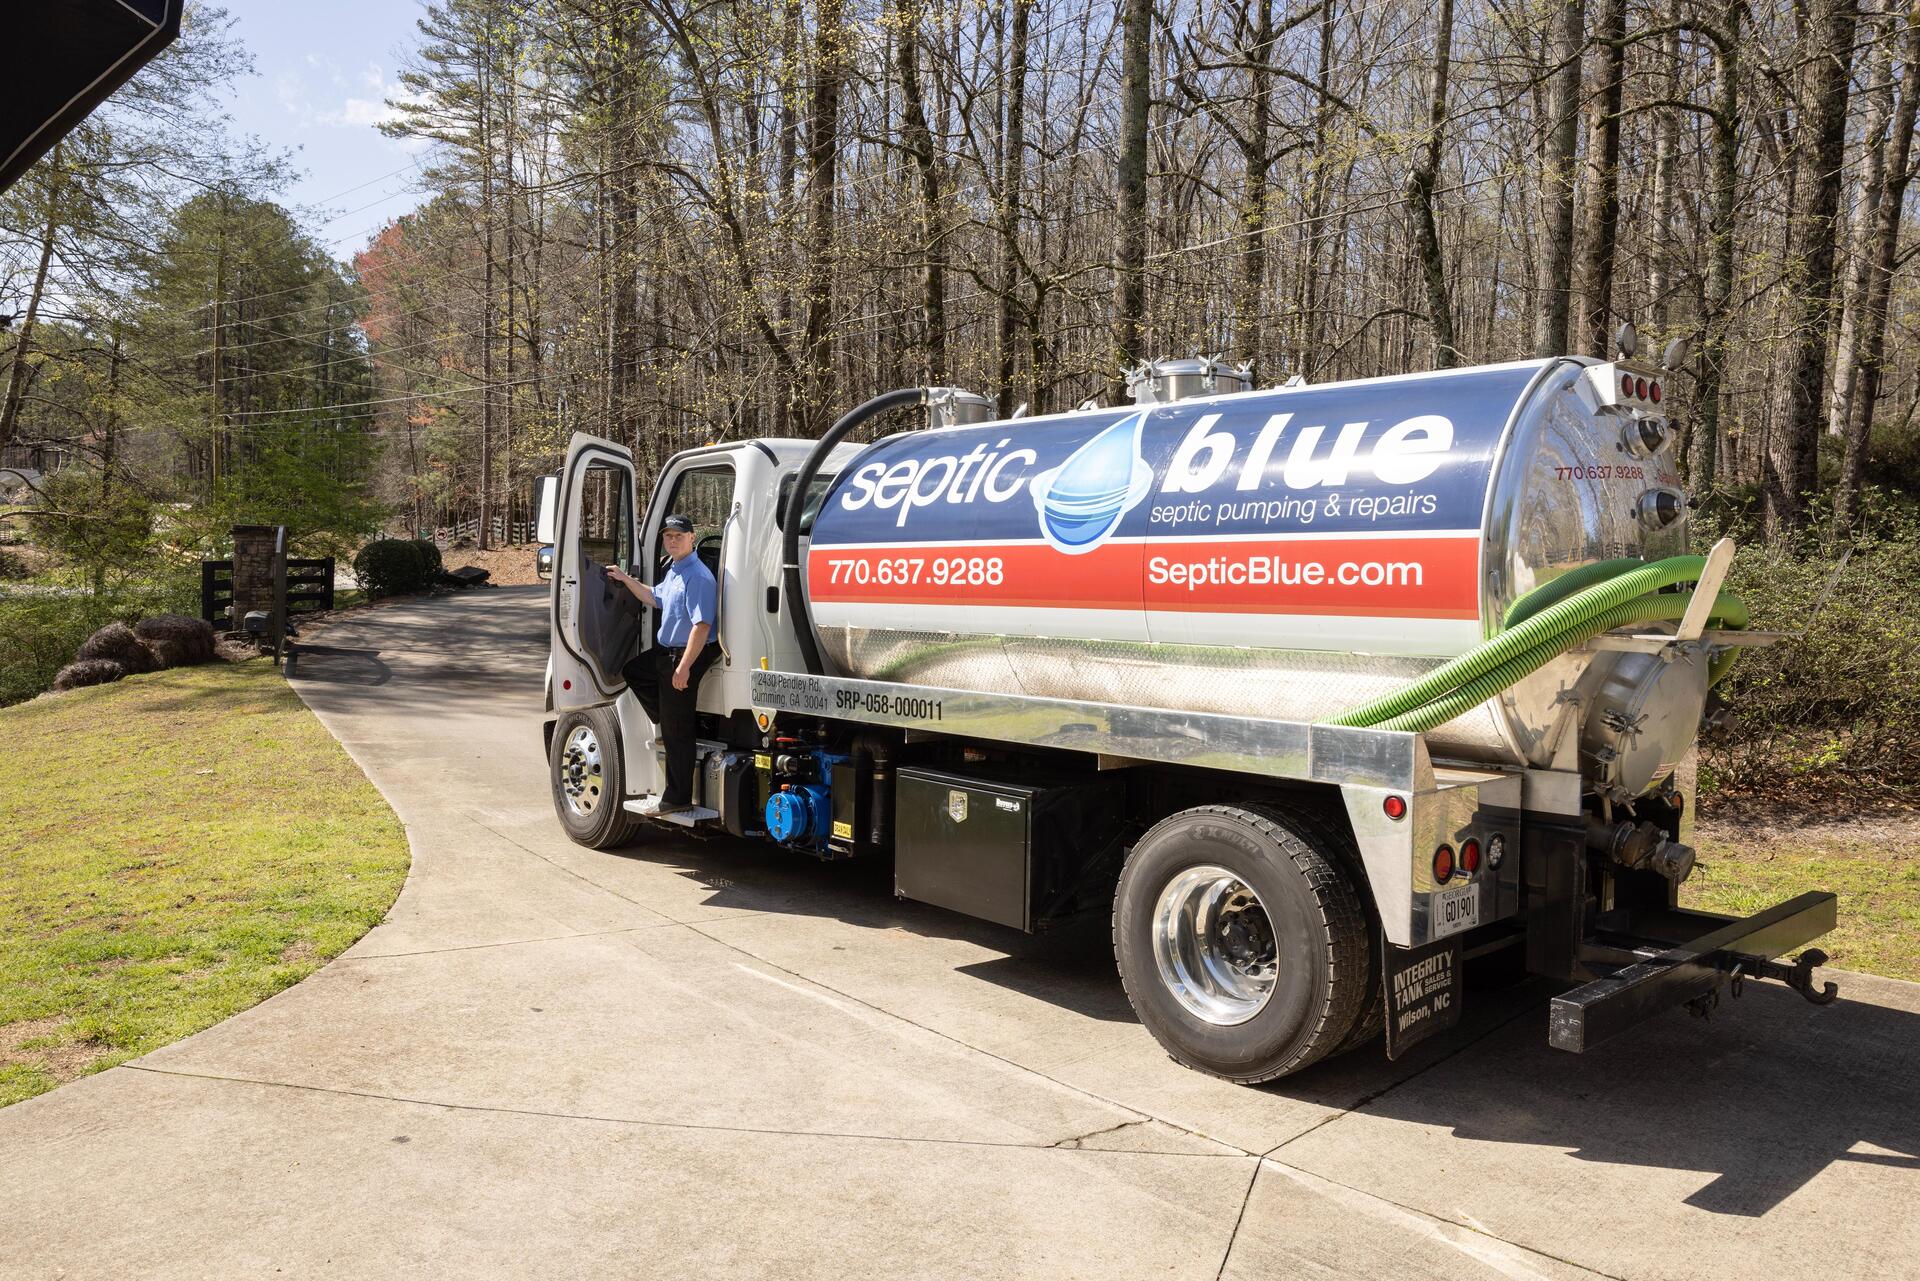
(1394, 807)
(1470, 856)
(1443, 865)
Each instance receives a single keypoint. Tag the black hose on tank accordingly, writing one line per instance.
(797, 507)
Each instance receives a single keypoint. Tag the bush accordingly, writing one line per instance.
(88, 671)
(39, 633)
(1839, 708)
(117, 643)
(430, 550)
(395, 567)
(177, 640)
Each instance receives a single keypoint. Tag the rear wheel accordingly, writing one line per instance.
(588, 786)
(1243, 945)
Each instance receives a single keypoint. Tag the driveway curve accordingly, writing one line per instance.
(708, 1058)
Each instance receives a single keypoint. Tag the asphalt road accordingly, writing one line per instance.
(709, 1059)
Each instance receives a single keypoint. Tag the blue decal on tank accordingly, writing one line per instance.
(1082, 501)
(1389, 456)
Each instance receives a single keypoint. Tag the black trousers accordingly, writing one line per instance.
(649, 674)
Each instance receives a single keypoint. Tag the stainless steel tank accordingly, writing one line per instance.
(1285, 553)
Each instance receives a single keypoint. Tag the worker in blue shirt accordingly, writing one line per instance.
(666, 678)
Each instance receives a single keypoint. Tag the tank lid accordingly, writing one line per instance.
(957, 407)
(1161, 382)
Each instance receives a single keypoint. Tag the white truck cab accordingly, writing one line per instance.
(735, 494)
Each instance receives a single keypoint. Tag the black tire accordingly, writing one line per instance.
(588, 801)
(1319, 929)
(1333, 836)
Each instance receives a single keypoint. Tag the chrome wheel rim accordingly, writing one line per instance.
(1214, 945)
(581, 783)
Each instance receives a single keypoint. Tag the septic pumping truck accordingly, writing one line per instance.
(1321, 691)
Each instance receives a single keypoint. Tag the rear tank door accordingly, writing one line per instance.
(596, 624)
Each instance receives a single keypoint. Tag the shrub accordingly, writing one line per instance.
(117, 643)
(88, 671)
(394, 567)
(429, 550)
(39, 633)
(177, 640)
(1838, 708)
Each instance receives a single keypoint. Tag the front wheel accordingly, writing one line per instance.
(586, 770)
(1243, 946)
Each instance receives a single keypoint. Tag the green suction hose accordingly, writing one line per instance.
(1727, 612)
(1555, 590)
(1539, 629)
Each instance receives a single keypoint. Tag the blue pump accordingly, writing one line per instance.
(800, 814)
(800, 809)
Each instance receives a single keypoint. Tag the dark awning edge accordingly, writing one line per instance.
(161, 22)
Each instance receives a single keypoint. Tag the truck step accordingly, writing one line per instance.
(649, 807)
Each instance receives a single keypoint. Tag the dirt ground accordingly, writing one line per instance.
(507, 566)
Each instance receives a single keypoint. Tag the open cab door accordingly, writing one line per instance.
(595, 624)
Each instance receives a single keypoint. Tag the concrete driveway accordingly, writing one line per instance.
(706, 1059)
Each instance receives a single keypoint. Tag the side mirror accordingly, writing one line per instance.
(546, 500)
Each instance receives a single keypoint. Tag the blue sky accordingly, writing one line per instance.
(323, 74)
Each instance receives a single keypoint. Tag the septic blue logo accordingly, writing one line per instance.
(1082, 501)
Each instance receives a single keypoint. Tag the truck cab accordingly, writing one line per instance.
(735, 493)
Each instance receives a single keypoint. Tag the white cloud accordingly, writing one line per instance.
(371, 111)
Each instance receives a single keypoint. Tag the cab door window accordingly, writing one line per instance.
(705, 496)
(606, 519)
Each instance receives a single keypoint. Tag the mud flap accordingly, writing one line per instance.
(1424, 990)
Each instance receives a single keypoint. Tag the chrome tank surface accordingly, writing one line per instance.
(1285, 553)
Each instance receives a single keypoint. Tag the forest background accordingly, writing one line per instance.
(671, 223)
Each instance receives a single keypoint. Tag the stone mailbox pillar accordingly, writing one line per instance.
(252, 570)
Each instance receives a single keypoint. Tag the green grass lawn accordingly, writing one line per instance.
(1876, 873)
(176, 848)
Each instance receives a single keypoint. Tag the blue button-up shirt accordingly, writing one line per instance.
(686, 597)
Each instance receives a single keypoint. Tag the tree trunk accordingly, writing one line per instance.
(823, 156)
(1319, 183)
(919, 142)
(1600, 218)
(1716, 318)
(1873, 309)
(1666, 147)
(1420, 185)
(1789, 472)
(1013, 159)
(23, 345)
(1551, 288)
(1250, 301)
(1130, 245)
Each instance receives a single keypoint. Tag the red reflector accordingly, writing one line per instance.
(1443, 864)
(1653, 393)
(1394, 807)
(1470, 856)
(1640, 387)
(566, 684)
(1626, 384)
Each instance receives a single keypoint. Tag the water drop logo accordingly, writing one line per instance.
(1082, 500)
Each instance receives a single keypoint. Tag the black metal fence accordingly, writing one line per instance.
(216, 591)
(309, 585)
(309, 588)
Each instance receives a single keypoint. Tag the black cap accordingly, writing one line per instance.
(678, 524)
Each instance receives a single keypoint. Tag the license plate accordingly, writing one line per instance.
(1455, 910)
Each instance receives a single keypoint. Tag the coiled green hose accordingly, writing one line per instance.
(1544, 624)
(1727, 612)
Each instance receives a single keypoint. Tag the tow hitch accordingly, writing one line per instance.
(1645, 967)
(1798, 976)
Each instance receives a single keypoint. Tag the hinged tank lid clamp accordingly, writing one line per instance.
(957, 407)
(1162, 382)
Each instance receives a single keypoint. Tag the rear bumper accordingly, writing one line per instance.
(1654, 960)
